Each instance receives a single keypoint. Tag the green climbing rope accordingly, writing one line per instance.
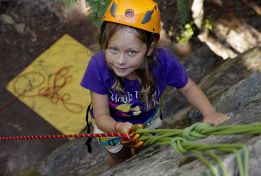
(181, 140)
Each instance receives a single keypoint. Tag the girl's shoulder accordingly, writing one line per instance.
(165, 56)
(165, 52)
(98, 59)
(169, 70)
(97, 76)
(98, 65)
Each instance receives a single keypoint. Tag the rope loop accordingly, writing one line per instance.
(178, 143)
(194, 131)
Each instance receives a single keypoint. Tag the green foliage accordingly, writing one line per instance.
(98, 8)
(188, 28)
(186, 33)
(183, 7)
(208, 24)
(184, 17)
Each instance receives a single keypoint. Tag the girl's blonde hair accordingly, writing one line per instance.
(148, 89)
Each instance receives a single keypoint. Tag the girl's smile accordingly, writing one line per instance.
(125, 52)
(121, 69)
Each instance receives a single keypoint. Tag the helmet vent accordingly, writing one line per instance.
(129, 13)
(113, 9)
(147, 17)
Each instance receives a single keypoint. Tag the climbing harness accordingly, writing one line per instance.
(151, 123)
(88, 121)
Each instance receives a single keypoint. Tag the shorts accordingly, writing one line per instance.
(113, 144)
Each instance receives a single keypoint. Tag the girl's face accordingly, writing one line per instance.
(125, 53)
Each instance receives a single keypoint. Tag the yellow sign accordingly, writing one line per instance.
(50, 85)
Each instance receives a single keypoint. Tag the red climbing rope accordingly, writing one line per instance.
(48, 86)
(113, 134)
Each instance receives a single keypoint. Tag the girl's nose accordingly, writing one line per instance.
(120, 59)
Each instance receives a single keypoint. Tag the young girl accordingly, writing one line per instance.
(127, 78)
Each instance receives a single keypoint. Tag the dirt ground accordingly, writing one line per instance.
(27, 29)
(31, 30)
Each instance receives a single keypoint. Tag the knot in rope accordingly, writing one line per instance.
(178, 143)
(194, 131)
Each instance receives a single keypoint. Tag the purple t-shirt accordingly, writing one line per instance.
(127, 107)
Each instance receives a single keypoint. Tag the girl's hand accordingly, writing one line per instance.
(215, 118)
(123, 127)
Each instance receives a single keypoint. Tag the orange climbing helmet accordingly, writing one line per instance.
(142, 14)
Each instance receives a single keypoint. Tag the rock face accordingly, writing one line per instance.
(75, 161)
(215, 82)
(234, 88)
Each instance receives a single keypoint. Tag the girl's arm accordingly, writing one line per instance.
(103, 120)
(198, 99)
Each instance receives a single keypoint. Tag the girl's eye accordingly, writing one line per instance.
(114, 50)
(132, 52)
